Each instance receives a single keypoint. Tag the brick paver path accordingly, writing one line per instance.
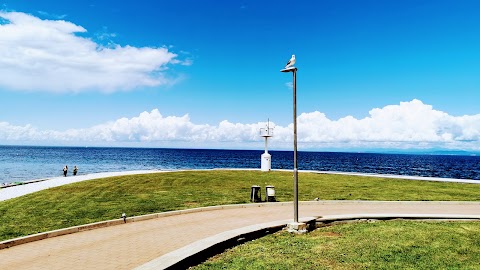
(129, 245)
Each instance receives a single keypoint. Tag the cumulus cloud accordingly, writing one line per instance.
(407, 125)
(49, 55)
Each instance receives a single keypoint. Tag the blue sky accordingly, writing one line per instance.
(371, 74)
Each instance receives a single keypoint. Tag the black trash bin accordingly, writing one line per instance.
(255, 195)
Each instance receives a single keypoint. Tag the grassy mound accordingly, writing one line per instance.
(104, 199)
(380, 245)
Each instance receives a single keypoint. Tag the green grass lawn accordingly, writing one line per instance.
(379, 245)
(104, 199)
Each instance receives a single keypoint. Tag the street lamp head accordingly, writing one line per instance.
(289, 69)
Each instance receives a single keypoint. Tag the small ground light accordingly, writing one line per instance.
(124, 216)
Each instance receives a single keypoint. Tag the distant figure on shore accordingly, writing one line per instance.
(75, 170)
(65, 170)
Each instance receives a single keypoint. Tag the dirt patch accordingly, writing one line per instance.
(330, 234)
(191, 204)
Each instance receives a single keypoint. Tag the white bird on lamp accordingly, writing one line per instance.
(291, 62)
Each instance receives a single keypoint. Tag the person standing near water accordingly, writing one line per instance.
(65, 170)
(75, 170)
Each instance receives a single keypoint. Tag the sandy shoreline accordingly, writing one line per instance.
(41, 184)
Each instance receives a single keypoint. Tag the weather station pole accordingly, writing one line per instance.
(296, 226)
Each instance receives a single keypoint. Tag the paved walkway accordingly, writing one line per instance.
(133, 244)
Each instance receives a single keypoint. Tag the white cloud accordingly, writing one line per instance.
(407, 125)
(48, 55)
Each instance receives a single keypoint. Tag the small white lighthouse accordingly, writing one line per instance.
(266, 157)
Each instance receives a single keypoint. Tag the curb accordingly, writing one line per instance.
(23, 183)
(333, 219)
(402, 177)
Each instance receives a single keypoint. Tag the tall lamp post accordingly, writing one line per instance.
(291, 68)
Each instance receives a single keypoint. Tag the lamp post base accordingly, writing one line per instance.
(304, 225)
(297, 227)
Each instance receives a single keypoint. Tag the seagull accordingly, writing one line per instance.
(291, 62)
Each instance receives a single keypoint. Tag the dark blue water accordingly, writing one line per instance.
(23, 163)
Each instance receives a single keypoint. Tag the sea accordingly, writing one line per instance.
(24, 163)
